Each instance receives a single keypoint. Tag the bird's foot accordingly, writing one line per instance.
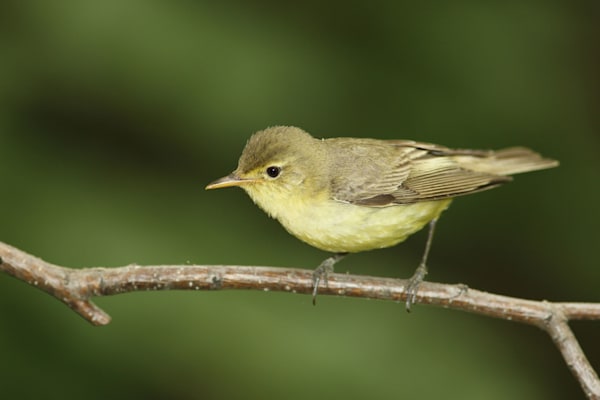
(322, 271)
(413, 285)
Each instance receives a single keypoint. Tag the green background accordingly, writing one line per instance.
(114, 115)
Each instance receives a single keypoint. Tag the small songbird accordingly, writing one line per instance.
(346, 195)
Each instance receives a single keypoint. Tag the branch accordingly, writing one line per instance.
(75, 287)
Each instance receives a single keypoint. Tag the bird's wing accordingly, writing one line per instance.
(405, 172)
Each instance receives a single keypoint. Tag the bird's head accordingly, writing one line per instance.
(279, 164)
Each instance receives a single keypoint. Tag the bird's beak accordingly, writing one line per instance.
(228, 181)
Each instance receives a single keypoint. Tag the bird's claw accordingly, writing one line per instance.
(322, 272)
(412, 286)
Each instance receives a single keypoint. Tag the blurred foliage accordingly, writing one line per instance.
(114, 115)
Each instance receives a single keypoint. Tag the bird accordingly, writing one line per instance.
(347, 195)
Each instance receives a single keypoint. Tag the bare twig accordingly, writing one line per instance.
(75, 287)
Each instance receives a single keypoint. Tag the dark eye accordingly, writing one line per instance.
(273, 171)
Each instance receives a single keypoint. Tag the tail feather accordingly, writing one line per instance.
(509, 161)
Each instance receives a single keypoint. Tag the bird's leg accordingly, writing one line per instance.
(421, 271)
(321, 272)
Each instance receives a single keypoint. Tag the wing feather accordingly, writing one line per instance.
(385, 173)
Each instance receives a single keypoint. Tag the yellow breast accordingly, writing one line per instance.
(340, 227)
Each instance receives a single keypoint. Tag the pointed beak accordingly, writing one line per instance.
(228, 181)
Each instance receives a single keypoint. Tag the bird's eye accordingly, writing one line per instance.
(273, 171)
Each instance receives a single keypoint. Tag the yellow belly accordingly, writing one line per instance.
(340, 227)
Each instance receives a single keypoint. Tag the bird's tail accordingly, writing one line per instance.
(509, 161)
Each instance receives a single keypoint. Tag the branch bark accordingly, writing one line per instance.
(75, 288)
